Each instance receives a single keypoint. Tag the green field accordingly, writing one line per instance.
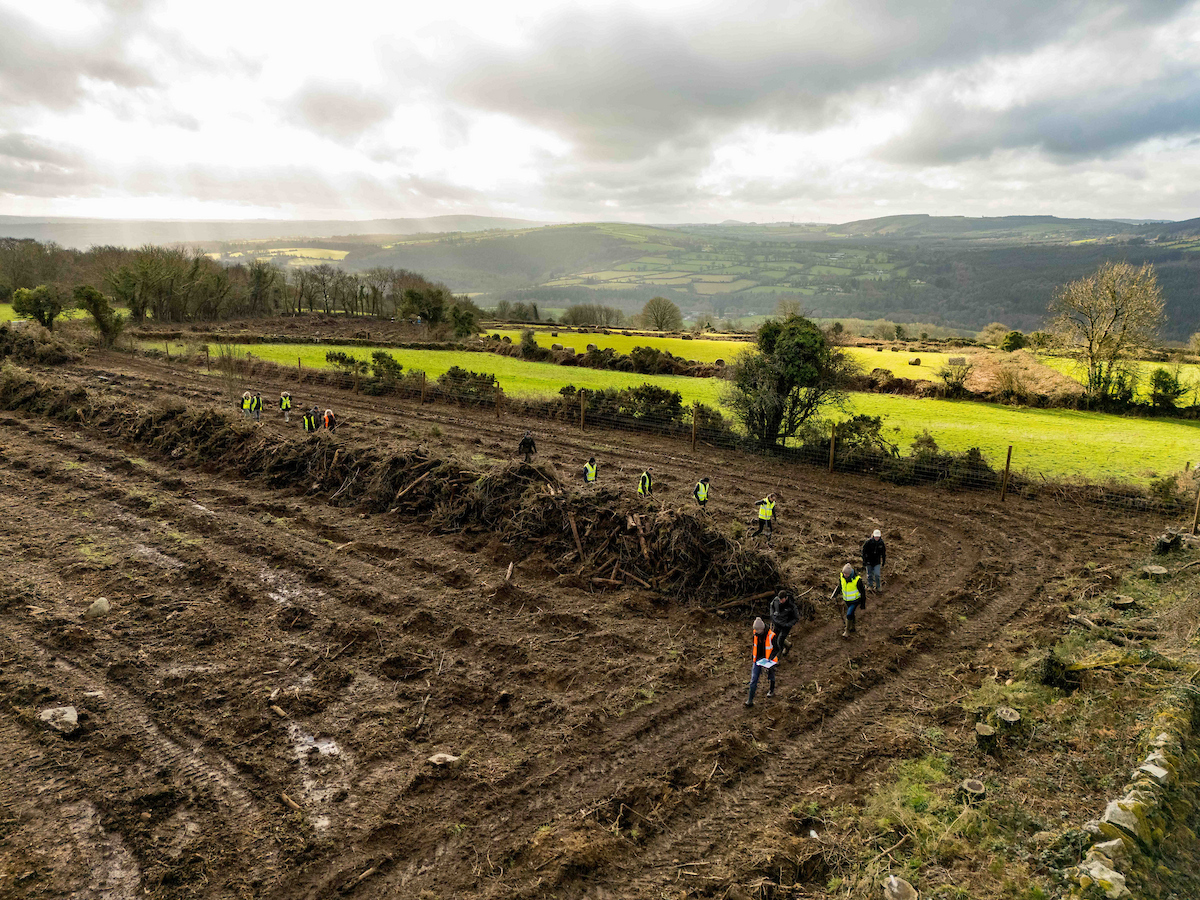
(897, 363)
(7, 314)
(1055, 442)
(1189, 375)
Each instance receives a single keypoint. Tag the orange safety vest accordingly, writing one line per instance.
(329, 420)
(767, 644)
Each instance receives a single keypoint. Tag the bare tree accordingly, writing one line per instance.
(1105, 319)
(660, 314)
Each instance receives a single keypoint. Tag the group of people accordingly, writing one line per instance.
(313, 420)
(770, 643)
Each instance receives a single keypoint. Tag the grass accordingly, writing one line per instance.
(1054, 442)
(1189, 374)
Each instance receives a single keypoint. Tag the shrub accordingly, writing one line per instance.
(1014, 340)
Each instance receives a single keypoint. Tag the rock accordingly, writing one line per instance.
(1094, 872)
(444, 759)
(1125, 817)
(1157, 773)
(1114, 851)
(898, 889)
(1192, 540)
(61, 718)
(98, 609)
(1155, 573)
(1167, 543)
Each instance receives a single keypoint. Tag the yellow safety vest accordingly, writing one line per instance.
(246, 401)
(701, 491)
(644, 484)
(589, 472)
(852, 589)
(766, 509)
(285, 402)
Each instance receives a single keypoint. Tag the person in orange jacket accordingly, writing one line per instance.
(765, 654)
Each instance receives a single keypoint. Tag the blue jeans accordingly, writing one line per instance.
(851, 609)
(755, 671)
(875, 576)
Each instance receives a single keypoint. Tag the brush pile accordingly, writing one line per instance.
(608, 539)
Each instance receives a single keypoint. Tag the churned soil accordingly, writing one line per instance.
(259, 708)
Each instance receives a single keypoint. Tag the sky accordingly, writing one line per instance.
(669, 111)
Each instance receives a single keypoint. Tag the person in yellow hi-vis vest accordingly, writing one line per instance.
(247, 402)
(854, 597)
(646, 484)
(701, 491)
(589, 471)
(766, 515)
(285, 406)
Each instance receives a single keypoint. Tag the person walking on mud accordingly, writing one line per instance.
(247, 400)
(312, 420)
(766, 515)
(589, 471)
(646, 484)
(256, 406)
(874, 555)
(700, 492)
(527, 446)
(785, 615)
(330, 420)
(854, 597)
(285, 406)
(764, 650)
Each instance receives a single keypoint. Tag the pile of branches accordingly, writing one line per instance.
(604, 537)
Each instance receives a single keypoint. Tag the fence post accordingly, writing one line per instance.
(1004, 484)
(207, 362)
(582, 409)
(695, 410)
(167, 344)
(832, 439)
(1196, 515)
(422, 388)
(497, 400)
(299, 368)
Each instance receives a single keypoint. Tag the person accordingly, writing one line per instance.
(247, 400)
(646, 484)
(766, 515)
(285, 406)
(311, 420)
(853, 597)
(700, 492)
(589, 470)
(785, 615)
(256, 406)
(874, 555)
(527, 446)
(330, 420)
(763, 658)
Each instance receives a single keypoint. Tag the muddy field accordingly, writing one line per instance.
(259, 708)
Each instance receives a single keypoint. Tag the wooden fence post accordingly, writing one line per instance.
(582, 409)
(497, 400)
(1196, 515)
(695, 410)
(167, 344)
(1004, 484)
(832, 439)
(299, 368)
(207, 362)
(422, 388)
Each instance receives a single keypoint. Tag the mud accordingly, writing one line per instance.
(258, 709)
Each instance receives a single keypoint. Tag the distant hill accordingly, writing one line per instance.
(83, 233)
(1016, 228)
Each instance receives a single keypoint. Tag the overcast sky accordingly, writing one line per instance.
(657, 111)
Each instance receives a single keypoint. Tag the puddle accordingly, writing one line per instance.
(113, 873)
(324, 772)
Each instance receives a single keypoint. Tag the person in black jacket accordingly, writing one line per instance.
(784, 617)
(527, 446)
(874, 555)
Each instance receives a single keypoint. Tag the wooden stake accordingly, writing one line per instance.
(167, 344)
(207, 363)
(695, 409)
(422, 388)
(1004, 484)
(1196, 515)
(575, 534)
(299, 368)
(832, 439)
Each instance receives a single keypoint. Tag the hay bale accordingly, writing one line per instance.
(570, 351)
(556, 346)
(591, 347)
(915, 361)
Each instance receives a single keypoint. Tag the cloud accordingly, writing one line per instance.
(30, 166)
(340, 112)
(622, 84)
(38, 68)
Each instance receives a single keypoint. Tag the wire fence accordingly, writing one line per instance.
(848, 448)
